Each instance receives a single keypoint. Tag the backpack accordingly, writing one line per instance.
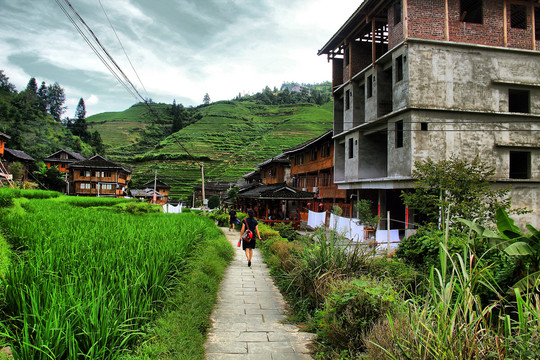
(248, 234)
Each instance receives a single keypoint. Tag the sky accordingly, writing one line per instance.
(176, 49)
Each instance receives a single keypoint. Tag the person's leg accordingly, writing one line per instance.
(250, 255)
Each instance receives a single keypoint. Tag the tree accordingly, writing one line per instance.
(55, 101)
(79, 127)
(206, 99)
(42, 95)
(32, 86)
(80, 111)
(213, 202)
(5, 85)
(455, 188)
(97, 143)
(232, 194)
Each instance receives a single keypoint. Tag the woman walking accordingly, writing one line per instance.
(251, 224)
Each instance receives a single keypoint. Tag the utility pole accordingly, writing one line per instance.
(203, 195)
(155, 180)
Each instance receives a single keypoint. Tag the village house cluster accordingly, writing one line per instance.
(412, 80)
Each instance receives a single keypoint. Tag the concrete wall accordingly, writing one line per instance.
(470, 77)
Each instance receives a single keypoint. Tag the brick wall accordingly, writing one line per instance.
(426, 20)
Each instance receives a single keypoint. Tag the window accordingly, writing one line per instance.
(81, 173)
(537, 22)
(399, 68)
(325, 150)
(347, 99)
(351, 148)
(106, 174)
(397, 12)
(518, 101)
(346, 56)
(88, 174)
(520, 165)
(399, 133)
(424, 126)
(92, 186)
(369, 86)
(314, 154)
(518, 16)
(471, 11)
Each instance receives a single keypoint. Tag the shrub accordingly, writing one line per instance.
(351, 309)
(186, 210)
(141, 208)
(286, 231)
(421, 250)
(213, 202)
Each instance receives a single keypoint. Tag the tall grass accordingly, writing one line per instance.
(85, 282)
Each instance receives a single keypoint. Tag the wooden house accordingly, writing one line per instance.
(61, 159)
(159, 186)
(312, 169)
(11, 156)
(212, 188)
(276, 170)
(149, 195)
(98, 176)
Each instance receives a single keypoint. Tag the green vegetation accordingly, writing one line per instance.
(93, 278)
(230, 137)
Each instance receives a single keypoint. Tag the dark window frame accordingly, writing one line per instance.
(518, 16)
(351, 148)
(519, 101)
(397, 13)
(472, 11)
(519, 165)
(399, 68)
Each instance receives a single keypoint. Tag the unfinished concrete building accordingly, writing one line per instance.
(419, 79)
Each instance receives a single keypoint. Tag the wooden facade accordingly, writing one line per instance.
(61, 159)
(98, 176)
(161, 188)
(11, 156)
(276, 170)
(312, 169)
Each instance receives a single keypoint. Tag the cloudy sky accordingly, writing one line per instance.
(180, 49)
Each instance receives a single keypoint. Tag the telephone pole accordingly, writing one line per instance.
(203, 195)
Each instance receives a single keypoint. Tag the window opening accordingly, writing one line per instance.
(397, 13)
(424, 126)
(399, 133)
(399, 68)
(369, 86)
(537, 22)
(518, 16)
(518, 101)
(347, 99)
(471, 11)
(520, 165)
(351, 148)
(346, 55)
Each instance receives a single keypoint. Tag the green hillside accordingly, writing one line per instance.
(230, 137)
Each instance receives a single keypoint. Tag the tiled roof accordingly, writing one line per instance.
(280, 159)
(146, 193)
(18, 154)
(98, 162)
(275, 191)
(159, 184)
(4, 136)
(310, 142)
(72, 156)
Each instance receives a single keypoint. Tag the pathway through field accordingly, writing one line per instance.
(247, 318)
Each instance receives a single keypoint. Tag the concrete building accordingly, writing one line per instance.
(418, 79)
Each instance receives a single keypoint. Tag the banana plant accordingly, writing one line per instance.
(513, 242)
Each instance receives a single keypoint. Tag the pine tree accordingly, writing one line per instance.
(80, 128)
(97, 143)
(5, 85)
(32, 86)
(55, 101)
(42, 95)
(206, 99)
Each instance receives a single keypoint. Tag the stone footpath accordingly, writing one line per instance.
(248, 314)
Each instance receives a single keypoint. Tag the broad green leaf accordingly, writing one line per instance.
(519, 248)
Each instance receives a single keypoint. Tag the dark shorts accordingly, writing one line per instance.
(232, 221)
(249, 244)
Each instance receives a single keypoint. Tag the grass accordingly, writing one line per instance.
(87, 283)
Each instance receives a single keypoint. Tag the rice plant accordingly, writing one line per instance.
(84, 283)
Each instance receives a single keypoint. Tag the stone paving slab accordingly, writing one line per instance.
(246, 323)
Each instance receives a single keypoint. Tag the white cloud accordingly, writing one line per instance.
(92, 100)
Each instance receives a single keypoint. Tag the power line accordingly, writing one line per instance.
(124, 50)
